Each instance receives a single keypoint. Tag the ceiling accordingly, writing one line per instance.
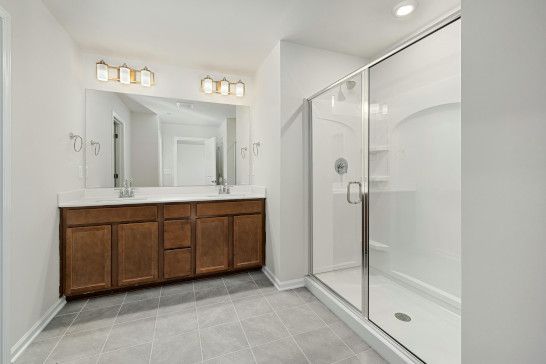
(180, 111)
(236, 35)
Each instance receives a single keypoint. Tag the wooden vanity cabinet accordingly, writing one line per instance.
(111, 248)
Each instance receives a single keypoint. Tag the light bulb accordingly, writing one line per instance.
(404, 8)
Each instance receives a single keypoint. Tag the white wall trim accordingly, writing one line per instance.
(283, 285)
(5, 19)
(31, 334)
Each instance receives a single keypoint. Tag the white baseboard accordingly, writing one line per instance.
(30, 335)
(283, 285)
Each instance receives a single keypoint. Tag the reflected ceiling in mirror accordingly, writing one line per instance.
(156, 141)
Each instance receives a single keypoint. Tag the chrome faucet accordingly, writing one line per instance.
(224, 189)
(127, 190)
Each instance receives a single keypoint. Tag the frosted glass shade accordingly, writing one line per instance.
(240, 89)
(206, 84)
(224, 87)
(145, 77)
(124, 75)
(102, 71)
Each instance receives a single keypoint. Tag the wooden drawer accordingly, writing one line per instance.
(109, 215)
(177, 263)
(176, 211)
(229, 208)
(176, 234)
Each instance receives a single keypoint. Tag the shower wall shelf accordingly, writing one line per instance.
(379, 148)
(379, 178)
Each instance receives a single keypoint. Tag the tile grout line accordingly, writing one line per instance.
(239, 319)
(66, 331)
(335, 334)
(289, 333)
(197, 320)
(111, 328)
(155, 326)
(282, 323)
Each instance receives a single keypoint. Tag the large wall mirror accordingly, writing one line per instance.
(157, 141)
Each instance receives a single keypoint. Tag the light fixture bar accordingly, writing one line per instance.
(222, 87)
(124, 74)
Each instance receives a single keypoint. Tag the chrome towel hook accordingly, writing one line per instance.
(256, 148)
(76, 137)
(96, 147)
(243, 152)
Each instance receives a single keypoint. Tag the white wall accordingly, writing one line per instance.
(266, 167)
(171, 81)
(290, 73)
(47, 104)
(100, 108)
(144, 149)
(503, 181)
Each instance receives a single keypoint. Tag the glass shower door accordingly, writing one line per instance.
(415, 196)
(337, 170)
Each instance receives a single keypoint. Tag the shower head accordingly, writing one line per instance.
(350, 84)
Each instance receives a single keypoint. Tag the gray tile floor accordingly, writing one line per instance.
(235, 319)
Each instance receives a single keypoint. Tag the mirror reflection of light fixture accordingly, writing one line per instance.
(223, 87)
(145, 77)
(124, 74)
(206, 84)
(102, 71)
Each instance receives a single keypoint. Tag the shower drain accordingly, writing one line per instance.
(402, 317)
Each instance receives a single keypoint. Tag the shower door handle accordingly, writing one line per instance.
(359, 193)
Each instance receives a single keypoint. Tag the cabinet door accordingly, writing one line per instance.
(88, 259)
(247, 241)
(212, 245)
(177, 263)
(137, 253)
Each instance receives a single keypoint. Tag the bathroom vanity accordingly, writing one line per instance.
(119, 244)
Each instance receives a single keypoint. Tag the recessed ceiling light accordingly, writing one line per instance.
(404, 8)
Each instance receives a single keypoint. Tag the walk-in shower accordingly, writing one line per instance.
(385, 192)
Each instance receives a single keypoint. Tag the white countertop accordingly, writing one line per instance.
(144, 195)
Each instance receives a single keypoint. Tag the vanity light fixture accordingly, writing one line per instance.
(124, 74)
(223, 87)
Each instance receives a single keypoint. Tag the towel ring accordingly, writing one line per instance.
(76, 137)
(96, 147)
(243, 151)
(256, 148)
